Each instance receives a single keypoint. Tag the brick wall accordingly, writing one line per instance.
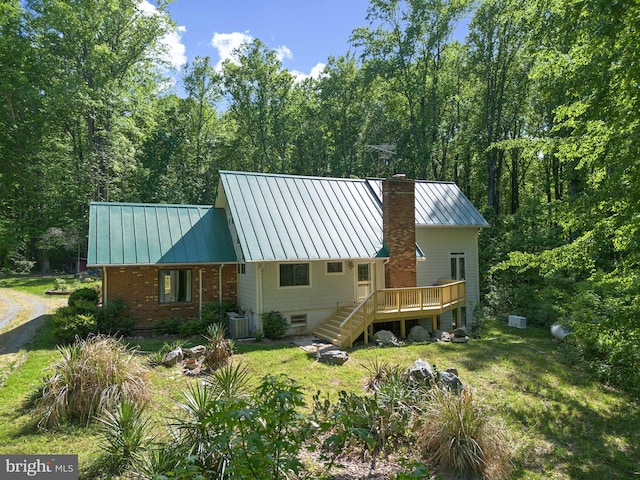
(399, 231)
(138, 287)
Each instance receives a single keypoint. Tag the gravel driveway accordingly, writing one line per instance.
(20, 316)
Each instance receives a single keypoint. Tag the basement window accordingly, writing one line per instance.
(298, 320)
(175, 286)
(294, 275)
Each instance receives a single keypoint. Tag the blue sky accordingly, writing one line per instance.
(303, 32)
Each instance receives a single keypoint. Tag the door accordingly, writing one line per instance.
(363, 281)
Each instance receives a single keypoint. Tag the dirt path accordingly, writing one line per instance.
(20, 316)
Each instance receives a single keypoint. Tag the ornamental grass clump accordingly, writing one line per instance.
(94, 375)
(459, 437)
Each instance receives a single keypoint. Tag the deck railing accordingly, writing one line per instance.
(400, 303)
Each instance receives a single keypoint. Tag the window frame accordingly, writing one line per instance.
(293, 265)
(338, 262)
(174, 274)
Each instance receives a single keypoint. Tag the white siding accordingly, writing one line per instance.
(438, 243)
(248, 294)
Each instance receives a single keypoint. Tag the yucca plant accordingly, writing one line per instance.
(220, 348)
(93, 376)
(230, 382)
(125, 433)
(459, 436)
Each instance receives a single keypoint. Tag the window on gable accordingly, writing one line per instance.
(242, 268)
(175, 286)
(294, 274)
(335, 267)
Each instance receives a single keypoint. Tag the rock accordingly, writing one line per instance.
(173, 357)
(452, 370)
(333, 357)
(195, 352)
(451, 381)
(421, 371)
(456, 339)
(442, 336)
(460, 332)
(419, 334)
(385, 337)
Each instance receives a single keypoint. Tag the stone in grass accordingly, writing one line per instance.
(333, 357)
(173, 357)
(385, 338)
(421, 371)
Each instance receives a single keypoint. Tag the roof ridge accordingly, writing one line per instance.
(289, 175)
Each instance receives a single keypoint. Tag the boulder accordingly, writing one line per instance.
(419, 334)
(173, 357)
(385, 337)
(451, 381)
(421, 371)
(456, 339)
(195, 352)
(460, 332)
(442, 336)
(333, 357)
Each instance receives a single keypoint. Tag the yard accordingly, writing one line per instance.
(561, 423)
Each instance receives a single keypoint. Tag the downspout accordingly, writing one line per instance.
(104, 286)
(200, 296)
(220, 283)
(260, 299)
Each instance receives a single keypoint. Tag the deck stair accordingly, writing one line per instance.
(330, 329)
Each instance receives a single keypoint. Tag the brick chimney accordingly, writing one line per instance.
(399, 231)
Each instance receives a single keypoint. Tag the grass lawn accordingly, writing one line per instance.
(562, 424)
(39, 284)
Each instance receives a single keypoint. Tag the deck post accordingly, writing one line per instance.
(403, 328)
(434, 324)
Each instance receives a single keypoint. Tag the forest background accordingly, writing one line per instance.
(535, 116)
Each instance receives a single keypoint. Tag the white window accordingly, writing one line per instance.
(175, 286)
(294, 275)
(334, 268)
(457, 266)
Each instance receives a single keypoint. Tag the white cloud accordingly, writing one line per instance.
(226, 43)
(316, 73)
(176, 50)
(283, 52)
(171, 42)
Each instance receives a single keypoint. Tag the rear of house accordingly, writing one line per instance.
(308, 247)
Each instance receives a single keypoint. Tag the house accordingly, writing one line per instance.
(336, 256)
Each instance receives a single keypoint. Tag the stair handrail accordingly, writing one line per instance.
(346, 334)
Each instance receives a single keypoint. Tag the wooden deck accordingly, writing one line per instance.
(394, 304)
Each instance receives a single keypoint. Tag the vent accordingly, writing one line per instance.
(517, 321)
(298, 320)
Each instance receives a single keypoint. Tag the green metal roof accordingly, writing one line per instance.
(287, 217)
(149, 234)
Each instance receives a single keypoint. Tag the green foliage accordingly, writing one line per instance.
(239, 436)
(83, 317)
(274, 325)
(84, 294)
(93, 376)
(125, 435)
(603, 317)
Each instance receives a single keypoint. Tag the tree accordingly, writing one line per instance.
(259, 92)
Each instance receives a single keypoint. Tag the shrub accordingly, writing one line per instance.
(70, 323)
(94, 375)
(459, 436)
(125, 435)
(113, 318)
(219, 350)
(89, 295)
(274, 325)
(168, 326)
